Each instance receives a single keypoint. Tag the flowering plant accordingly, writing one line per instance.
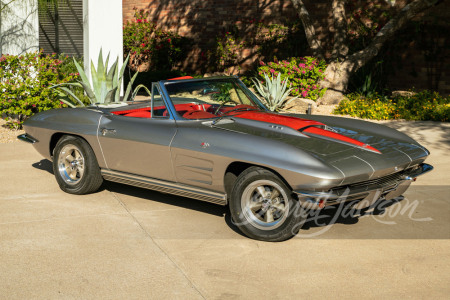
(424, 105)
(227, 50)
(149, 45)
(304, 74)
(24, 82)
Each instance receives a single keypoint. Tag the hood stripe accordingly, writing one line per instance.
(312, 127)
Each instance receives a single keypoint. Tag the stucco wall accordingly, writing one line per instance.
(102, 21)
(19, 27)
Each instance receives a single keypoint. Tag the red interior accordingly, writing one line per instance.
(187, 110)
(179, 78)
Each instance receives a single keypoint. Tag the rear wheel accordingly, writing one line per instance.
(262, 207)
(75, 166)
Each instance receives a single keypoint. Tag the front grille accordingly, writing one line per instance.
(382, 181)
(373, 184)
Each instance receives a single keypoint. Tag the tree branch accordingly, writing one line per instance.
(310, 31)
(340, 48)
(3, 6)
(360, 58)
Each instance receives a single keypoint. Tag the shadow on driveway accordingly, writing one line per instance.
(342, 214)
(44, 165)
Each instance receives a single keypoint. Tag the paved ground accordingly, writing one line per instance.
(125, 242)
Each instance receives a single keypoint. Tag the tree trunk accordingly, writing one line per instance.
(338, 72)
(337, 75)
(310, 32)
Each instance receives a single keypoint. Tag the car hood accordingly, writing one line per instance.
(360, 150)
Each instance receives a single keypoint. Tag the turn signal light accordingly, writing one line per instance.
(321, 203)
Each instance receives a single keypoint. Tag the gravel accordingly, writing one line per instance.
(8, 135)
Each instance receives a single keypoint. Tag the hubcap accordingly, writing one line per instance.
(265, 204)
(71, 164)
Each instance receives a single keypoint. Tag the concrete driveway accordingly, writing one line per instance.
(129, 243)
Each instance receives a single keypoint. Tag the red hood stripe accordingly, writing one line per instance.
(298, 123)
(339, 137)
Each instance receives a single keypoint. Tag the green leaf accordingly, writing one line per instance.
(130, 84)
(136, 90)
(110, 96)
(111, 77)
(76, 84)
(89, 92)
(85, 81)
(100, 66)
(69, 92)
(96, 84)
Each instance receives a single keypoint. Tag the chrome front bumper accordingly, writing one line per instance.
(387, 187)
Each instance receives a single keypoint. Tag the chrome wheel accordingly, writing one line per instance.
(265, 204)
(71, 164)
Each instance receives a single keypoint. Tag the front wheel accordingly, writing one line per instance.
(75, 166)
(262, 207)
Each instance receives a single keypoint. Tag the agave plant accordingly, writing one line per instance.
(106, 83)
(274, 92)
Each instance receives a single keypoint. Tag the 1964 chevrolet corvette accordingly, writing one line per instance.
(212, 139)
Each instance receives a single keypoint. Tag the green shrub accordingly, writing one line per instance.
(25, 82)
(227, 48)
(425, 105)
(147, 44)
(375, 107)
(304, 74)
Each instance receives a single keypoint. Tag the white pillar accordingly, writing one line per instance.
(19, 27)
(102, 20)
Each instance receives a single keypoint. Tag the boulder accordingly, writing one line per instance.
(299, 105)
(403, 93)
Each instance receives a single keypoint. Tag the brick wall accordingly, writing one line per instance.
(203, 20)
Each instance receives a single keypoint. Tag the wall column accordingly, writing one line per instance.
(102, 29)
(19, 27)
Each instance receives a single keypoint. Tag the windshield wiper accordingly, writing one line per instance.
(225, 114)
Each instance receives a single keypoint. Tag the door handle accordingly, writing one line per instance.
(105, 131)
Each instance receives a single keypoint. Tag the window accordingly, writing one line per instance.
(159, 109)
(209, 98)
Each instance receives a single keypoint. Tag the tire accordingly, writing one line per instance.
(258, 213)
(75, 166)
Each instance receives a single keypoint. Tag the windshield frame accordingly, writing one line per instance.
(170, 106)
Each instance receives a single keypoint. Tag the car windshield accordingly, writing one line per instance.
(211, 98)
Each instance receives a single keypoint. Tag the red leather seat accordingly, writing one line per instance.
(139, 114)
(198, 114)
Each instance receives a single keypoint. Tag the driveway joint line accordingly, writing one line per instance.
(157, 245)
(62, 218)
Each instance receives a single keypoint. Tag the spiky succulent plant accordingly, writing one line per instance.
(106, 83)
(274, 91)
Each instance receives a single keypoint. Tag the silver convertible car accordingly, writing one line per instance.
(212, 139)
